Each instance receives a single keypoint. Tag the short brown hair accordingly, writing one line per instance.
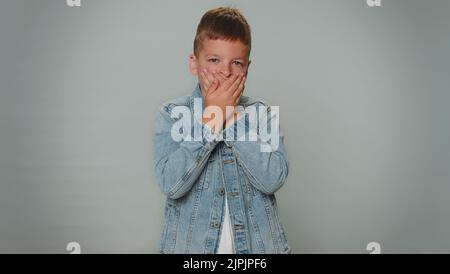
(223, 23)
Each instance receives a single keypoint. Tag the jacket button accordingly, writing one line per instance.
(216, 225)
(221, 191)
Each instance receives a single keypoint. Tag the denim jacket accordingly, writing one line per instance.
(198, 175)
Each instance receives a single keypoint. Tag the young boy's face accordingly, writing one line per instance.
(222, 57)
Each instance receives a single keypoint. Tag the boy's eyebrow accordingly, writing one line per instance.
(213, 55)
(216, 55)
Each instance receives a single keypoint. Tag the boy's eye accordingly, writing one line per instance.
(213, 60)
(238, 63)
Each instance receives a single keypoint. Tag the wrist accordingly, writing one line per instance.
(216, 127)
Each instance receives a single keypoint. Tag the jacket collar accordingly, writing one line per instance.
(197, 94)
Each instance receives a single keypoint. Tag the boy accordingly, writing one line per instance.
(220, 188)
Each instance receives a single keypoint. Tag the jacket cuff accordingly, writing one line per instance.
(209, 139)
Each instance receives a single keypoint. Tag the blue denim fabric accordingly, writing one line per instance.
(197, 177)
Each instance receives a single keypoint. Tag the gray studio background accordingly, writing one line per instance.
(363, 94)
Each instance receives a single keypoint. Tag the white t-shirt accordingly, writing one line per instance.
(226, 237)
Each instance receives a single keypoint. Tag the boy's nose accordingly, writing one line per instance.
(226, 71)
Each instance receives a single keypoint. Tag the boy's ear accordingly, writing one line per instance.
(193, 62)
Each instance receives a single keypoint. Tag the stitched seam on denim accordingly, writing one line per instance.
(194, 213)
(214, 206)
(270, 220)
(280, 228)
(247, 170)
(179, 184)
(258, 239)
(242, 206)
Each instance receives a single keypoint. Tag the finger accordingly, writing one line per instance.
(204, 86)
(230, 81)
(205, 80)
(222, 77)
(214, 86)
(240, 92)
(242, 85)
(219, 77)
(210, 76)
(216, 76)
(234, 87)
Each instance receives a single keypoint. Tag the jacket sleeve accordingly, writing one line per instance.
(177, 165)
(264, 161)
